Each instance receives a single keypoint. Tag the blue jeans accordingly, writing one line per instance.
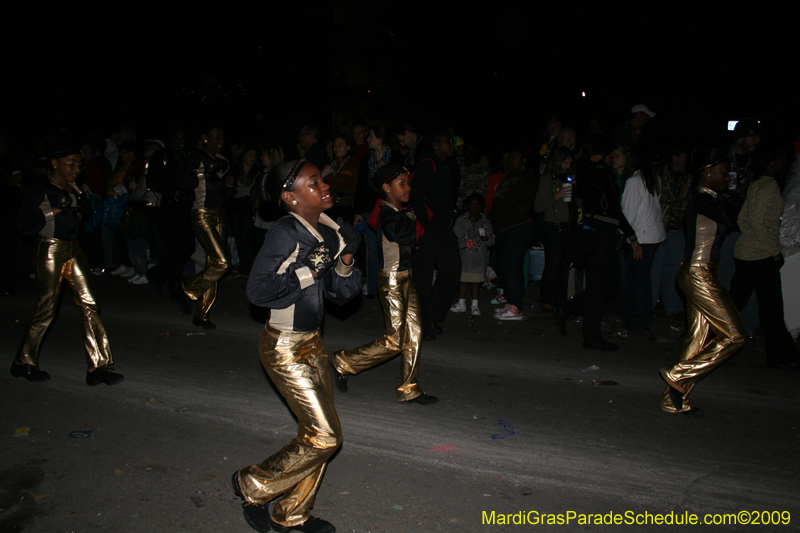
(635, 294)
(664, 273)
(512, 244)
(373, 259)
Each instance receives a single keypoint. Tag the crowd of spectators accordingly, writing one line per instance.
(607, 209)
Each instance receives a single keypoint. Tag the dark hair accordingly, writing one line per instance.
(767, 153)
(475, 196)
(559, 155)
(346, 138)
(313, 131)
(386, 174)
(64, 146)
(703, 158)
(642, 160)
(279, 176)
(382, 131)
(131, 146)
(403, 127)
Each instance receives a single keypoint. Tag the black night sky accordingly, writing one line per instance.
(494, 72)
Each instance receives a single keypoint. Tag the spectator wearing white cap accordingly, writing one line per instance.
(629, 133)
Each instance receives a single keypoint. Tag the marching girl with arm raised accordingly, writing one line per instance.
(305, 256)
(396, 291)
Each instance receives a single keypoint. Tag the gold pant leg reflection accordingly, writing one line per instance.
(56, 261)
(400, 303)
(714, 334)
(297, 364)
(211, 229)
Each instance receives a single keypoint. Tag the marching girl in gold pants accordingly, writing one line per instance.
(53, 212)
(715, 330)
(398, 296)
(205, 174)
(305, 256)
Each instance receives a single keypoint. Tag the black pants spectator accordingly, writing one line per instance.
(437, 249)
(764, 277)
(602, 282)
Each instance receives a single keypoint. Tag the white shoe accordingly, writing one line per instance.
(510, 312)
(476, 311)
(98, 271)
(134, 278)
(142, 280)
(129, 273)
(119, 270)
(500, 299)
(458, 307)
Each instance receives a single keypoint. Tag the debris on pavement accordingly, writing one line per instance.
(509, 430)
(81, 434)
(595, 383)
(22, 432)
(590, 368)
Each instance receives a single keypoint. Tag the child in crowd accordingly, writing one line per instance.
(475, 237)
(397, 230)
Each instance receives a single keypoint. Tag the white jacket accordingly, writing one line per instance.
(643, 211)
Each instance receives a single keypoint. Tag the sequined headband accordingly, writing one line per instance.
(290, 179)
(713, 164)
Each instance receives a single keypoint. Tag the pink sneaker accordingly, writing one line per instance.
(509, 312)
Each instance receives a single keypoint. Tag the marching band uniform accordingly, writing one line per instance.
(295, 358)
(710, 308)
(58, 257)
(400, 302)
(205, 176)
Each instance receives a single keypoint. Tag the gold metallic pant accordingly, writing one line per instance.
(400, 303)
(211, 230)
(710, 310)
(297, 364)
(55, 261)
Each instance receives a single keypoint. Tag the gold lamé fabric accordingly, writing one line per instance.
(714, 334)
(297, 363)
(56, 261)
(211, 229)
(705, 232)
(398, 297)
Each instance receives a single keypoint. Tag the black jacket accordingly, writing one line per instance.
(36, 216)
(280, 281)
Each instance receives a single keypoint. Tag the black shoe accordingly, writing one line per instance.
(339, 379)
(602, 345)
(433, 327)
(312, 525)
(561, 315)
(103, 375)
(695, 412)
(676, 397)
(257, 516)
(424, 399)
(235, 484)
(205, 324)
(29, 372)
(427, 335)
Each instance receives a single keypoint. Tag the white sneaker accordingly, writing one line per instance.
(458, 307)
(98, 271)
(510, 312)
(119, 270)
(134, 278)
(141, 280)
(499, 299)
(129, 273)
(476, 311)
